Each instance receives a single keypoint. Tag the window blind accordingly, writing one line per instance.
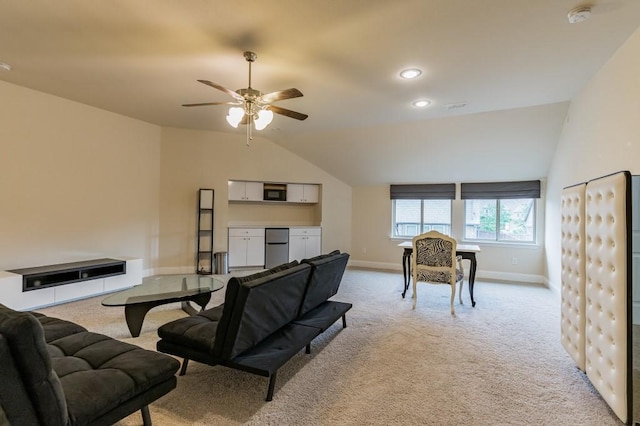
(500, 190)
(427, 191)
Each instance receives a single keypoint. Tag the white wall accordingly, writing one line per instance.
(76, 182)
(601, 136)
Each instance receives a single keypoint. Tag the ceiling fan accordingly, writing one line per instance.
(253, 105)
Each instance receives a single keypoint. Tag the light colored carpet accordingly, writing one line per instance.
(500, 363)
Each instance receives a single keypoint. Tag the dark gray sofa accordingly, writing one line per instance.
(55, 372)
(265, 320)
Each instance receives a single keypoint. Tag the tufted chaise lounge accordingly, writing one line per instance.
(265, 320)
(55, 372)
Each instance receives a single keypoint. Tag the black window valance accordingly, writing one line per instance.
(427, 191)
(500, 190)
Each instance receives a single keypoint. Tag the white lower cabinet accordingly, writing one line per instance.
(304, 243)
(246, 247)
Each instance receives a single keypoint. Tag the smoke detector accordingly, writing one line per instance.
(579, 14)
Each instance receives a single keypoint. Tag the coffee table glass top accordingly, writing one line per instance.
(165, 287)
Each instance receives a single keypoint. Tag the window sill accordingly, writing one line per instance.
(503, 244)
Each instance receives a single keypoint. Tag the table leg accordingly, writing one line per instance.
(406, 269)
(134, 314)
(472, 277)
(201, 300)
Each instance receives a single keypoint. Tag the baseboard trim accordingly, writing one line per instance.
(480, 274)
(386, 266)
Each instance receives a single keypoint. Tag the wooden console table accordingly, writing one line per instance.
(467, 251)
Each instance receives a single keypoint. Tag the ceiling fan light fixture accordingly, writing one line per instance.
(235, 116)
(264, 118)
(410, 73)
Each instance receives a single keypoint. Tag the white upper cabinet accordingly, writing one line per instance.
(245, 191)
(303, 193)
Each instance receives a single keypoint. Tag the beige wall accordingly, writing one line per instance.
(373, 246)
(76, 182)
(601, 136)
(194, 159)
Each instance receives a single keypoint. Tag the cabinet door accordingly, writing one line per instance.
(311, 193)
(295, 192)
(237, 251)
(297, 248)
(254, 191)
(301, 193)
(237, 190)
(313, 246)
(255, 251)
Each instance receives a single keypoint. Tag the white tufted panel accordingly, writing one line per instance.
(606, 289)
(572, 322)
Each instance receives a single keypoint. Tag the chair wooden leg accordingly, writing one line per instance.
(460, 293)
(415, 295)
(453, 296)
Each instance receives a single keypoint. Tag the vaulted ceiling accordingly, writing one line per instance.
(515, 65)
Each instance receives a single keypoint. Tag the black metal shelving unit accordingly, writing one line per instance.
(204, 251)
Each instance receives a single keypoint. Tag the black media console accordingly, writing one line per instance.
(67, 273)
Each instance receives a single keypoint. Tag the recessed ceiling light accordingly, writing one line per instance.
(410, 73)
(422, 103)
(4, 66)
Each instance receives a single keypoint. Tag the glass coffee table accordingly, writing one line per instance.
(160, 290)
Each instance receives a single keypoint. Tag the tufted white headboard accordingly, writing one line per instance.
(572, 321)
(608, 289)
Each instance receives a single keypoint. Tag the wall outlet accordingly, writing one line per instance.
(514, 260)
(364, 250)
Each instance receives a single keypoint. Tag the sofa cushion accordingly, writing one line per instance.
(325, 279)
(99, 374)
(15, 406)
(268, 272)
(25, 338)
(320, 256)
(263, 306)
(55, 328)
(197, 331)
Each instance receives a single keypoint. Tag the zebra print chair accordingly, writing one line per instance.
(434, 261)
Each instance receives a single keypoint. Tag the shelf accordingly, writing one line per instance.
(67, 273)
(204, 237)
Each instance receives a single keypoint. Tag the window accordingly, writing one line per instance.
(420, 208)
(413, 217)
(500, 211)
(507, 220)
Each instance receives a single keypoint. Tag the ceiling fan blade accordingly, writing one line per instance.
(287, 112)
(229, 92)
(281, 95)
(211, 103)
